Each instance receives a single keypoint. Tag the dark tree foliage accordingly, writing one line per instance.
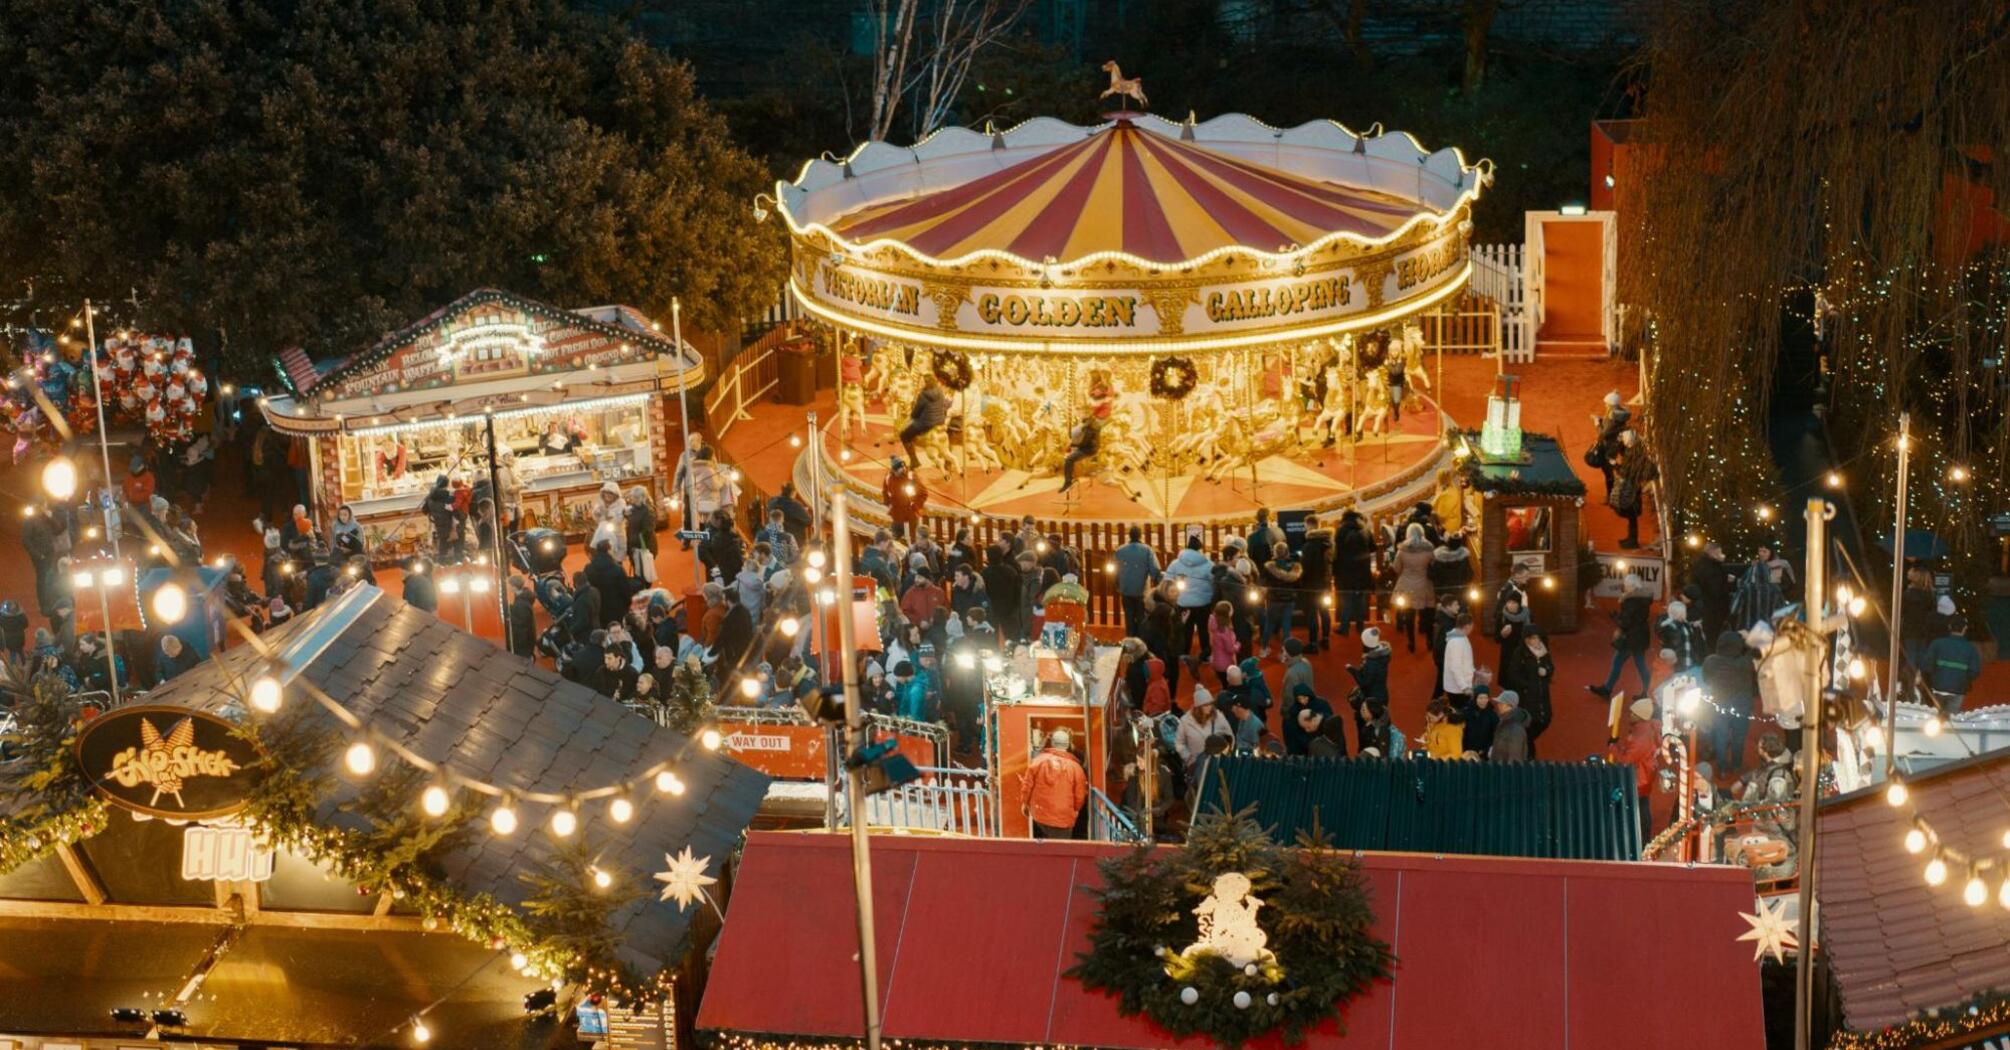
(317, 172)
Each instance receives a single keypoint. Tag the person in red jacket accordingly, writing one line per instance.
(905, 497)
(1158, 693)
(1055, 788)
(1641, 749)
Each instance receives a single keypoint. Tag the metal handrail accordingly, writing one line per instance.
(1109, 823)
(946, 800)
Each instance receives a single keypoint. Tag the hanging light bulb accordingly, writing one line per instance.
(1692, 541)
(420, 1033)
(1833, 480)
(1896, 793)
(666, 782)
(1974, 893)
(1856, 668)
(621, 811)
(2003, 893)
(59, 478)
(601, 878)
(1936, 872)
(750, 687)
(827, 596)
(564, 822)
(1857, 605)
(789, 626)
(711, 739)
(816, 558)
(434, 801)
(1843, 594)
(170, 602)
(1473, 594)
(502, 819)
(1957, 473)
(360, 758)
(812, 575)
(1915, 841)
(1932, 726)
(266, 694)
(518, 961)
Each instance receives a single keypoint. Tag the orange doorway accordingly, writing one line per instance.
(1573, 271)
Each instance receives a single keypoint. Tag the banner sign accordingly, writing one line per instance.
(171, 762)
(796, 752)
(223, 854)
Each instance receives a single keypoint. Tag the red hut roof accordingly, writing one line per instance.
(973, 938)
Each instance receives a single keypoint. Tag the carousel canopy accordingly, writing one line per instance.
(1131, 236)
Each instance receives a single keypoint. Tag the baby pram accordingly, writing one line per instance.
(538, 551)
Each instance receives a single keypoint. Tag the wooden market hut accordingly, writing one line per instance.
(1530, 515)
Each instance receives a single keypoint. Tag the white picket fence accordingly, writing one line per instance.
(1498, 275)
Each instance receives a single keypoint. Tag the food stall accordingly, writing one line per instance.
(576, 398)
(1035, 690)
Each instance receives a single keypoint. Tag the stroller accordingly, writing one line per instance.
(538, 551)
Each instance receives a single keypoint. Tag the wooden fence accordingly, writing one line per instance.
(744, 380)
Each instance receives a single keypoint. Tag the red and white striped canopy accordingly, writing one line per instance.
(1129, 190)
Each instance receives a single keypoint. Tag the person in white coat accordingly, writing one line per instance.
(610, 519)
(1459, 675)
(1200, 722)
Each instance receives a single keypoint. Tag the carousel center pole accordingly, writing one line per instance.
(856, 732)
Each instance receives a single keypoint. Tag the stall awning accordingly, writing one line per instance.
(974, 936)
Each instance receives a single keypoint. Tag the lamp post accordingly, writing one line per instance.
(466, 580)
(855, 738)
(1896, 607)
(111, 575)
(104, 436)
(1818, 511)
(684, 426)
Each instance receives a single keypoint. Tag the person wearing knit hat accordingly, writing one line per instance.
(1641, 749)
(1510, 743)
(1200, 721)
(1605, 448)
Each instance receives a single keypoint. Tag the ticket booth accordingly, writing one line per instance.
(1034, 692)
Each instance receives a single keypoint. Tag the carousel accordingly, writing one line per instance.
(1140, 320)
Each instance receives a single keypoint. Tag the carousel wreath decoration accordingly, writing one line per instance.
(1233, 936)
(158, 384)
(952, 369)
(1173, 378)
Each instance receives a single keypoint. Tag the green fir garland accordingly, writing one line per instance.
(1316, 916)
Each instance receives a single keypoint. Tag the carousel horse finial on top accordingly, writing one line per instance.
(1133, 88)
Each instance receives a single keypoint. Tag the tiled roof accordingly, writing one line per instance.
(1568, 810)
(1897, 945)
(454, 698)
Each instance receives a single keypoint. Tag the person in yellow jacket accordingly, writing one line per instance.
(1442, 739)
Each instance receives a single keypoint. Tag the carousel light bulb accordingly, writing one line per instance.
(2003, 893)
(154, 549)
(1896, 793)
(81, 579)
(711, 739)
(812, 575)
(265, 694)
(1857, 605)
(601, 879)
(59, 478)
(795, 441)
(750, 687)
(564, 822)
(434, 801)
(420, 1033)
(844, 455)
(1936, 872)
(1932, 726)
(1957, 473)
(1915, 841)
(1974, 893)
(733, 474)
(1856, 668)
(621, 811)
(502, 820)
(360, 759)
(170, 602)
(816, 558)
(789, 626)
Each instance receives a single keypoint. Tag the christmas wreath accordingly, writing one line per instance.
(952, 369)
(1233, 937)
(1173, 378)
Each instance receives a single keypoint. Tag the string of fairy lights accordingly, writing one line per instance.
(1945, 860)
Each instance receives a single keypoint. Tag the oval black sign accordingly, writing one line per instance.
(170, 762)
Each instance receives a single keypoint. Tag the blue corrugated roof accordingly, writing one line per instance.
(1563, 810)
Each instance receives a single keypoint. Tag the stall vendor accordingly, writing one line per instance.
(558, 439)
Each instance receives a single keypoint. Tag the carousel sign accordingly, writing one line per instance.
(168, 762)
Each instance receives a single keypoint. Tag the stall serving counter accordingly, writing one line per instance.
(575, 398)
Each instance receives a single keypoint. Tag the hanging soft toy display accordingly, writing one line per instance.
(59, 391)
(158, 384)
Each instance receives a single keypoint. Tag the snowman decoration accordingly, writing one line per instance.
(1227, 924)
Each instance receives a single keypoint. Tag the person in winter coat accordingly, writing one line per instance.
(905, 497)
(13, 630)
(1604, 452)
(345, 535)
(438, 507)
(1443, 738)
(1055, 788)
(172, 659)
(1315, 586)
(721, 550)
(1757, 596)
(640, 533)
(522, 618)
(1219, 639)
(1731, 682)
(1200, 722)
(736, 636)
(1478, 722)
(1711, 576)
(1681, 637)
(1248, 725)
(1371, 675)
(1413, 593)
(1630, 636)
(1952, 664)
(1511, 735)
(1193, 577)
(1527, 669)
(1641, 749)
(910, 693)
(1280, 575)
(1460, 677)
(1451, 570)
(1636, 471)
(1303, 716)
(1158, 692)
(1137, 571)
(1297, 669)
(1001, 585)
(419, 590)
(796, 517)
(1031, 586)
(610, 583)
(1353, 571)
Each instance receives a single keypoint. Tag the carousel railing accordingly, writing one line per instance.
(1109, 823)
(946, 800)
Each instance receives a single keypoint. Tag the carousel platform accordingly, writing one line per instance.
(1387, 468)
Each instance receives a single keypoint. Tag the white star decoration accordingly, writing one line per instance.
(686, 880)
(1769, 929)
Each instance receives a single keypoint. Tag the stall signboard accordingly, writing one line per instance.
(170, 762)
(224, 854)
(789, 751)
